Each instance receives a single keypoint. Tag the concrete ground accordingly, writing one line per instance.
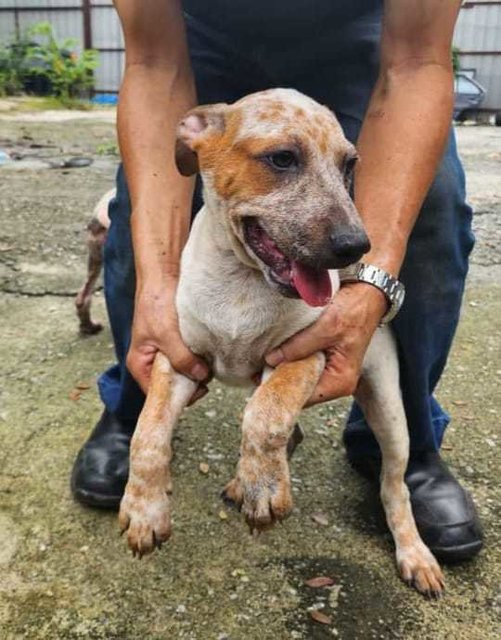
(64, 570)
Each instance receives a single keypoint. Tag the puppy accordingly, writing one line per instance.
(260, 264)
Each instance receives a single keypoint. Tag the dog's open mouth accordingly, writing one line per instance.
(312, 285)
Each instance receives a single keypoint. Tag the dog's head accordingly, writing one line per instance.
(277, 166)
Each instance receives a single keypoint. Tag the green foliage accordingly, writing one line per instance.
(456, 62)
(38, 63)
(108, 149)
(11, 67)
(69, 74)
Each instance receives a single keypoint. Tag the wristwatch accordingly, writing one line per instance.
(392, 288)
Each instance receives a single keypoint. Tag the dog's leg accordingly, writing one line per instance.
(379, 396)
(262, 484)
(96, 236)
(144, 510)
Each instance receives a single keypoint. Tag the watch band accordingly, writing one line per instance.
(393, 289)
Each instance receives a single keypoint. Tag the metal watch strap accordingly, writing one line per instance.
(393, 289)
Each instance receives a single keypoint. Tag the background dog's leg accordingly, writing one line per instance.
(378, 394)
(96, 236)
(262, 484)
(144, 510)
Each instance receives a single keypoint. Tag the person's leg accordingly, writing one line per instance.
(101, 468)
(119, 392)
(434, 274)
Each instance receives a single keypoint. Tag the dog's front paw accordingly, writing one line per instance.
(261, 490)
(145, 516)
(419, 568)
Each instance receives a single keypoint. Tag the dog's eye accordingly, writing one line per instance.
(282, 160)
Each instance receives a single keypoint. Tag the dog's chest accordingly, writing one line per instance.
(233, 320)
(227, 312)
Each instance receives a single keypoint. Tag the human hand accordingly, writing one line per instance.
(343, 333)
(156, 328)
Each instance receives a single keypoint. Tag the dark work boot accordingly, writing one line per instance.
(444, 511)
(101, 467)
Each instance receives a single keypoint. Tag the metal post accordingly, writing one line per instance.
(87, 23)
(16, 24)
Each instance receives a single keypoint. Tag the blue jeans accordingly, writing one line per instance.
(434, 270)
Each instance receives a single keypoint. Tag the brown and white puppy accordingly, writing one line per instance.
(260, 264)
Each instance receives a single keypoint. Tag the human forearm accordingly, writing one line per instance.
(401, 144)
(154, 97)
(156, 93)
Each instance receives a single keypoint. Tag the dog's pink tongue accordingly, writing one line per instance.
(314, 286)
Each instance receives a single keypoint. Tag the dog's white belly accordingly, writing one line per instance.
(234, 341)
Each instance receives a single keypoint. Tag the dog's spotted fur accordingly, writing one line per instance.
(232, 314)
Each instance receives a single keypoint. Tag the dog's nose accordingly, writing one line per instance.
(349, 243)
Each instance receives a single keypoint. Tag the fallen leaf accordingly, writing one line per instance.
(83, 386)
(320, 518)
(320, 617)
(459, 403)
(319, 581)
(223, 515)
(203, 467)
(447, 447)
(75, 395)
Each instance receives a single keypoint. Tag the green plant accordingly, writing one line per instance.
(10, 83)
(69, 73)
(107, 149)
(11, 66)
(37, 63)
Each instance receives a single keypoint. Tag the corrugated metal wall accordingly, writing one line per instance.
(478, 36)
(67, 18)
(67, 22)
(107, 38)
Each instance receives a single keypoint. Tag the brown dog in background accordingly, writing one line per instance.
(96, 237)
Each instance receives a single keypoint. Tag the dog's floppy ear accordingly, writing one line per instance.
(196, 126)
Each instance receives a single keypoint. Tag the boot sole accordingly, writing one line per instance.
(452, 555)
(96, 500)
